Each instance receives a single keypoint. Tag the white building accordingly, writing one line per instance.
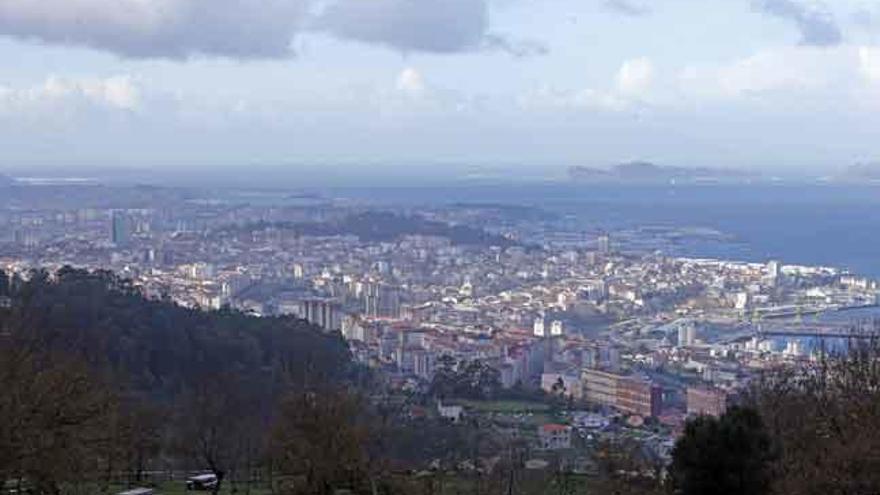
(452, 413)
(603, 244)
(793, 348)
(773, 271)
(687, 334)
(539, 327)
(742, 300)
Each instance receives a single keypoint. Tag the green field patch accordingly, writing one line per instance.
(504, 406)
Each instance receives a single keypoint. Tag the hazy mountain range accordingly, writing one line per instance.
(646, 172)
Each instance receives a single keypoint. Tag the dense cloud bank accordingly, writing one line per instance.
(247, 29)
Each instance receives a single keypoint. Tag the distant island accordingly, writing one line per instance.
(650, 173)
(861, 172)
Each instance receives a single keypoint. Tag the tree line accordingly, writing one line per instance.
(100, 386)
(806, 429)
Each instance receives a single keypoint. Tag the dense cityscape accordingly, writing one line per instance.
(633, 341)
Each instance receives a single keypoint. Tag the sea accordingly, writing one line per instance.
(805, 224)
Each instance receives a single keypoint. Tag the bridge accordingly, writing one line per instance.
(819, 333)
(799, 310)
(782, 312)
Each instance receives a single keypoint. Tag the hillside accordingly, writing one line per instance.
(159, 348)
(380, 226)
(101, 386)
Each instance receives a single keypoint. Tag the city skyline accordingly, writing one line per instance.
(774, 86)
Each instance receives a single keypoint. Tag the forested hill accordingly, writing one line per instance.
(159, 348)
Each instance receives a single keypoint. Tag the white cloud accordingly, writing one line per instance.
(597, 100)
(119, 93)
(434, 26)
(547, 98)
(869, 63)
(411, 82)
(627, 7)
(414, 94)
(774, 72)
(245, 29)
(842, 78)
(159, 28)
(629, 91)
(423, 25)
(635, 77)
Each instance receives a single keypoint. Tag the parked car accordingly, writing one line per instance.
(202, 482)
(138, 491)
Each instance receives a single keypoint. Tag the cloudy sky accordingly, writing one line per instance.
(761, 84)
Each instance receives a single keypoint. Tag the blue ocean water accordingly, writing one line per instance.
(811, 224)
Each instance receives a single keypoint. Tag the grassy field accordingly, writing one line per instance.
(505, 406)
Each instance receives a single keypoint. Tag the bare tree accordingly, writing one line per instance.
(54, 418)
(210, 419)
(826, 417)
(321, 443)
(137, 438)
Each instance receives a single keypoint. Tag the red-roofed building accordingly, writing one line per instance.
(555, 436)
